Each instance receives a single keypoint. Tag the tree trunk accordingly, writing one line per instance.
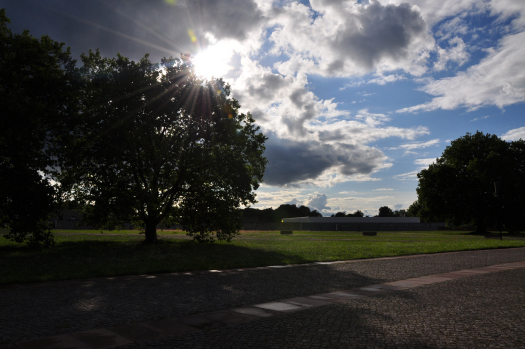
(151, 233)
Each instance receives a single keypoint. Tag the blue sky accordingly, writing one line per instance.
(356, 97)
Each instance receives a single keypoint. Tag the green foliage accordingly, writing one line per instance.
(459, 186)
(35, 100)
(157, 143)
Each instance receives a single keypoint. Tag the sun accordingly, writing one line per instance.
(213, 61)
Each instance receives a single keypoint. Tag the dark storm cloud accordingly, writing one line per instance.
(290, 161)
(295, 123)
(307, 111)
(297, 97)
(259, 115)
(225, 18)
(385, 31)
(333, 135)
(133, 28)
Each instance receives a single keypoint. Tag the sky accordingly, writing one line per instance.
(356, 97)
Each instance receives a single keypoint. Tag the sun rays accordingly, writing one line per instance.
(213, 61)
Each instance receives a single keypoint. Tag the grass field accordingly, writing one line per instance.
(83, 254)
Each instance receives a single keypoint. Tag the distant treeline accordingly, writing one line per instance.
(290, 211)
(283, 211)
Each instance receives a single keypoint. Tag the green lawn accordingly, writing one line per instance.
(82, 254)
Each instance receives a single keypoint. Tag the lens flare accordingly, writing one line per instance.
(192, 36)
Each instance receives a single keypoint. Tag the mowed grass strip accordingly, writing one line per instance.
(85, 254)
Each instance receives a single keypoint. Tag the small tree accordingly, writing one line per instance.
(157, 142)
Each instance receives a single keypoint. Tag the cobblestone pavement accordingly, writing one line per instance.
(476, 311)
(486, 311)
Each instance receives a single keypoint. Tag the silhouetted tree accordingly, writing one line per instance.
(459, 187)
(158, 143)
(400, 213)
(385, 211)
(36, 99)
(315, 213)
(414, 209)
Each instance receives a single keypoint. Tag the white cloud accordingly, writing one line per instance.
(481, 118)
(382, 189)
(318, 201)
(384, 79)
(509, 9)
(280, 103)
(341, 38)
(407, 176)
(435, 11)
(417, 145)
(365, 128)
(456, 53)
(312, 141)
(424, 162)
(377, 198)
(455, 26)
(514, 135)
(499, 79)
(347, 38)
(352, 84)
(379, 80)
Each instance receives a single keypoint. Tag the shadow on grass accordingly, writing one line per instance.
(86, 257)
(102, 302)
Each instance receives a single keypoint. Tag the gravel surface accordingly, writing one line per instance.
(47, 309)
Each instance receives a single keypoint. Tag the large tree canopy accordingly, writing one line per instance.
(156, 142)
(35, 99)
(459, 186)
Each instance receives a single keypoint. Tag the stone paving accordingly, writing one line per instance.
(389, 302)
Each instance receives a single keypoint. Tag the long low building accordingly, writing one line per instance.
(352, 220)
(358, 224)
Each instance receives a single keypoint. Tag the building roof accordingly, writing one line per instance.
(403, 220)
